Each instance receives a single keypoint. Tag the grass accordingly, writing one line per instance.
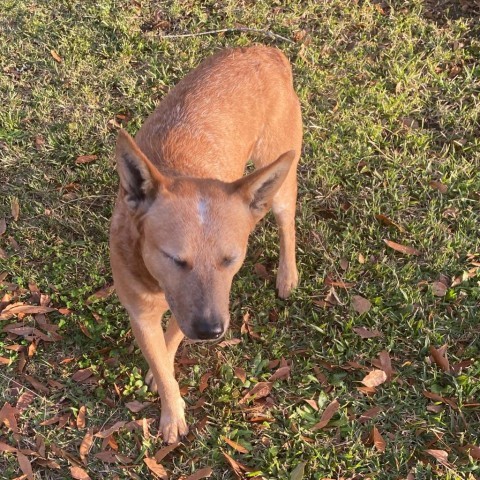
(390, 102)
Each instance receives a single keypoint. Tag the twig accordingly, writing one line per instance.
(268, 33)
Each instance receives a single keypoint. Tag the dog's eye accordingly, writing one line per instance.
(177, 261)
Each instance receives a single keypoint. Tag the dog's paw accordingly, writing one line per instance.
(287, 280)
(173, 424)
(150, 381)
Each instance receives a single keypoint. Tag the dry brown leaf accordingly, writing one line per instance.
(360, 305)
(7, 417)
(240, 374)
(281, 374)
(82, 411)
(375, 378)
(4, 447)
(37, 385)
(312, 403)
(332, 297)
(365, 333)
(235, 445)
(15, 206)
(440, 357)
(338, 283)
(156, 468)
(79, 473)
(86, 445)
(237, 467)
(228, 343)
(378, 440)
(56, 56)
(163, 452)
(101, 294)
(82, 374)
(25, 465)
(384, 220)
(369, 414)
(438, 398)
(440, 455)
(199, 474)
(261, 271)
(3, 226)
(107, 432)
(386, 364)
(21, 308)
(473, 451)
(109, 456)
(260, 390)
(402, 248)
(24, 400)
(441, 187)
(204, 381)
(135, 406)
(439, 289)
(85, 159)
(327, 415)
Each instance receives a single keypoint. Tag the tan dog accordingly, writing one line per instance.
(184, 212)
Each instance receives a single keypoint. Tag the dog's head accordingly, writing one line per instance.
(194, 232)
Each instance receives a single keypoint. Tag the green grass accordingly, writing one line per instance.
(364, 73)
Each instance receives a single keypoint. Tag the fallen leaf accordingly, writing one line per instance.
(438, 398)
(15, 207)
(236, 446)
(260, 390)
(82, 374)
(440, 455)
(37, 385)
(402, 248)
(101, 294)
(21, 308)
(281, 374)
(440, 357)
(439, 289)
(298, 472)
(237, 467)
(360, 305)
(312, 403)
(79, 473)
(86, 444)
(386, 364)
(261, 271)
(204, 381)
(25, 465)
(82, 411)
(328, 413)
(378, 440)
(473, 451)
(365, 333)
(3, 226)
(56, 56)
(135, 406)
(156, 468)
(4, 447)
(7, 417)
(344, 263)
(332, 297)
(369, 414)
(199, 474)
(107, 432)
(85, 159)
(384, 220)
(338, 283)
(441, 187)
(240, 374)
(361, 258)
(109, 456)
(228, 343)
(24, 400)
(164, 451)
(375, 378)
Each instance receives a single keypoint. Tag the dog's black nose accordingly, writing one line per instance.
(207, 330)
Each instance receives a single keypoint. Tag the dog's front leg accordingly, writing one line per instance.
(148, 332)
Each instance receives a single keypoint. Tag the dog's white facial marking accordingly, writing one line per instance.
(202, 210)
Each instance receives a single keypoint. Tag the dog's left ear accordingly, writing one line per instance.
(259, 188)
(139, 178)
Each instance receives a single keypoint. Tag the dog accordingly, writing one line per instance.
(184, 210)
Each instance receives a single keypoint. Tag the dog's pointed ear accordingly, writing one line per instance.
(259, 188)
(139, 178)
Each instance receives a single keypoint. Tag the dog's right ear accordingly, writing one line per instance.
(139, 178)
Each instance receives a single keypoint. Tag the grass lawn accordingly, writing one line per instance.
(391, 152)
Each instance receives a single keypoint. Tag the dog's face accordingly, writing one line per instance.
(194, 233)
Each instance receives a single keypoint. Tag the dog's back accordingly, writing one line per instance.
(232, 108)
